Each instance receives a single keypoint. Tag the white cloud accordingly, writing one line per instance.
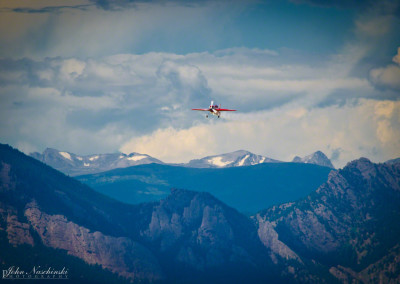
(387, 117)
(370, 128)
(172, 144)
(386, 77)
(72, 68)
(389, 76)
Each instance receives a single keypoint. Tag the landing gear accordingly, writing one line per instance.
(206, 115)
(218, 116)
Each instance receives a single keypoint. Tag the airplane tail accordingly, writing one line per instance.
(212, 103)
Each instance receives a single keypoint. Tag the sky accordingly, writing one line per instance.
(100, 76)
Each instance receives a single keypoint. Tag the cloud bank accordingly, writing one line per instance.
(389, 76)
(141, 103)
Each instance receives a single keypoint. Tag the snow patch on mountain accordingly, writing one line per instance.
(241, 163)
(217, 161)
(74, 165)
(137, 158)
(66, 155)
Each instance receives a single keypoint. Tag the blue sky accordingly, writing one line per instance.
(105, 76)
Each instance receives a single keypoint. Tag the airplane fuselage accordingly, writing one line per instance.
(214, 109)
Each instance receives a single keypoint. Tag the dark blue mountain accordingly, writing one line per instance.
(248, 189)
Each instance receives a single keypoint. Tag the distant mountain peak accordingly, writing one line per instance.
(74, 165)
(360, 161)
(364, 166)
(232, 159)
(317, 158)
(393, 161)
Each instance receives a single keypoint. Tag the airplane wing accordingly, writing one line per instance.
(224, 109)
(201, 109)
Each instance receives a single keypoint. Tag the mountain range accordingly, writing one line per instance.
(346, 231)
(247, 189)
(74, 165)
(234, 159)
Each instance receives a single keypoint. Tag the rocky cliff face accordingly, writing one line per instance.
(349, 225)
(198, 237)
(36, 214)
(198, 230)
(120, 255)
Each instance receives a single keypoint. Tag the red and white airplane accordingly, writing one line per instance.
(214, 109)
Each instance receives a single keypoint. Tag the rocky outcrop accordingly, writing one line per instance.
(347, 225)
(119, 255)
(17, 232)
(385, 270)
(270, 239)
(201, 231)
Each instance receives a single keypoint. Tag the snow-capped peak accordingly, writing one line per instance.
(234, 159)
(77, 165)
(317, 158)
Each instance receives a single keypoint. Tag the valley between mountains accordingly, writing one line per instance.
(343, 230)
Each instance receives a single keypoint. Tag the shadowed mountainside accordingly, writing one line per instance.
(349, 226)
(247, 189)
(346, 231)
